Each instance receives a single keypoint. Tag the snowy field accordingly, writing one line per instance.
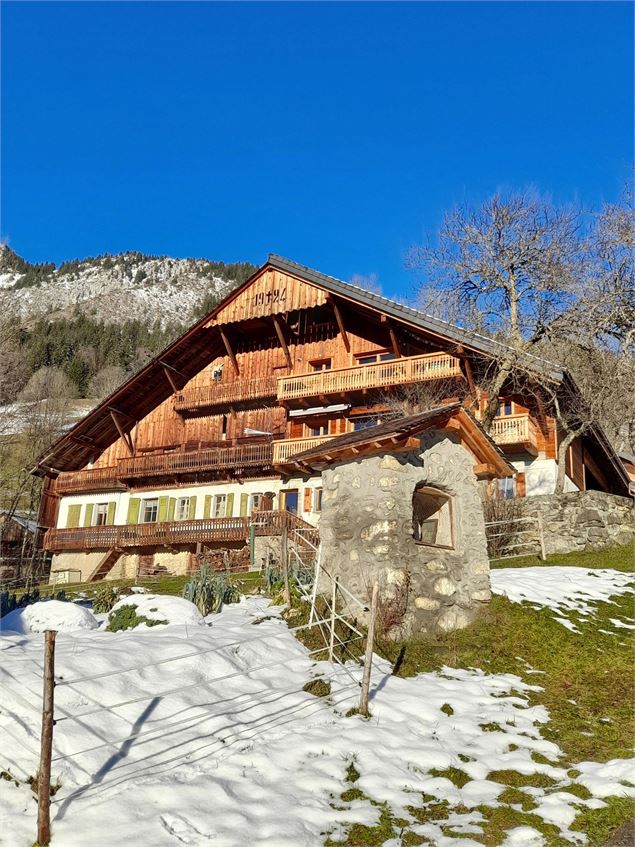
(563, 589)
(153, 749)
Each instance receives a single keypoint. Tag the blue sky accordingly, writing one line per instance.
(335, 133)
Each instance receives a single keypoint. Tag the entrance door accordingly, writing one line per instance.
(290, 500)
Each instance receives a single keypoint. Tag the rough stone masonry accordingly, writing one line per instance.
(366, 530)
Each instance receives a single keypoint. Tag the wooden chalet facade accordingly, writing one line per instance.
(198, 446)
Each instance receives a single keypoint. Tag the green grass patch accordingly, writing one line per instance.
(619, 558)
(455, 775)
(519, 780)
(598, 824)
(317, 687)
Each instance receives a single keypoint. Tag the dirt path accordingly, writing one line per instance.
(623, 837)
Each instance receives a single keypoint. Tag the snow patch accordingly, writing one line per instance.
(162, 607)
(48, 614)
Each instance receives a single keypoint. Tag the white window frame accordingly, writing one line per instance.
(182, 508)
(145, 505)
(103, 513)
(219, 500)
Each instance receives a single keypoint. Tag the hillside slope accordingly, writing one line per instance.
(116, 288)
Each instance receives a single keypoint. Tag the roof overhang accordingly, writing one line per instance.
(402, 434)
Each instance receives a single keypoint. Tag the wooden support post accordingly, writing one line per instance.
(340, 324)
(541, 537)
(46, 743)
(277, 322)
(368, 657)
(333, 602)
(284, 561)
(125, 436)
(394, 341)
(170, 378)
(230, 350)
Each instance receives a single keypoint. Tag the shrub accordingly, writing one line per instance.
(105, 598)
(207, 591)
(318, 687)
(126, 617)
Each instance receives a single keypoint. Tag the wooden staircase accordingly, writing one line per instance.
(106, 564)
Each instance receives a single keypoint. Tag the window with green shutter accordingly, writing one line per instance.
(244, 504)
(207, 506)
(133, 510)
(88, 514)
(163, 509)
(229, 508)
(112, 507)
(192, 510)
(72, 517)
(171, 508)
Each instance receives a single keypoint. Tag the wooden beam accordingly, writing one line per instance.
(393, 335)
(125, 436)
(170, 378)
(277, 322)
(340, 323)
(485, 470)
(230, 351)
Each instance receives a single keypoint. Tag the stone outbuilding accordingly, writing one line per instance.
(402, 505)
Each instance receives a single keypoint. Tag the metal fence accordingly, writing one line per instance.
(515, 536)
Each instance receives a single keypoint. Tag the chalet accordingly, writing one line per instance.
(197, 449)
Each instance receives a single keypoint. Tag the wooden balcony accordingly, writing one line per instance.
(240, 393)
(283, 450)
(166, 534)
(343, 381)
(180, 463)
(95, 479)
(515, 432)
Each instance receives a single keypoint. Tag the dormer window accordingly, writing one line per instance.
(432, 518)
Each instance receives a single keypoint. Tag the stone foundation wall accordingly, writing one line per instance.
(582, 520)
(366, 535)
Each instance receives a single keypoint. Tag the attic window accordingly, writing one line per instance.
(432, 518)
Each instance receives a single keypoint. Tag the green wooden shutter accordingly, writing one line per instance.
(244, 504)
(171, 508)
(133, 510)
(191, 512)
(207, 507)
(112, 506)
(72, 518)
(88, 514)
(162, 512)
(229, 506)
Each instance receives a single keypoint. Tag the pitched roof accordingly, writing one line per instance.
(399, 429)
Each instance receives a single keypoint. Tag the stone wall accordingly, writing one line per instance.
(366, 535)
(582, 520)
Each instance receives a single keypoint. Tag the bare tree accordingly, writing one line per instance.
(514, 263)
(106, 381)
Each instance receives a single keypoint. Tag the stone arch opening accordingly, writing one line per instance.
(433, 517)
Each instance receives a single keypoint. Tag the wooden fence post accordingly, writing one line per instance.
(333, 602)
(368, 657)
(541, 535)
(284, 560)
(46, 745)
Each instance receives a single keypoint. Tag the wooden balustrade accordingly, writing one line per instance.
(516, 430)
(92, 479)
(359, 377)
(170, 533)
(283, 450)
(241, 392)
(181, 462)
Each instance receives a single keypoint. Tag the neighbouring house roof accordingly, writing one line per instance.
(22, 521)
(395, 433)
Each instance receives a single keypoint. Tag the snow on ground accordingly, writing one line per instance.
(163, 608)
(49, 614)
(562, 589)
(189, 759)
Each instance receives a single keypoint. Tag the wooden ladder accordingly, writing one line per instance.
(105, 564)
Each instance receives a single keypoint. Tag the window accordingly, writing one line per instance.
(320, 429)
(100, 516)
(373, 358)
(150, 511)
(182, 509)
(505, 408)
(219, 506)
(255, 503)
(364, 423)
(506, 488)
(321, 365)
(432, 517)
(290, 500)
(317, 500)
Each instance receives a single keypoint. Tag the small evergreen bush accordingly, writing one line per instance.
(126, 617)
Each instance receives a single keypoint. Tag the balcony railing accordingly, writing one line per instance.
(168, 533)
(178, 463)
(515, 430)
(284, 450)
(93, 479)
(360, 377)
(241, 392)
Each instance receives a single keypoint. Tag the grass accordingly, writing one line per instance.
(591, 668)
